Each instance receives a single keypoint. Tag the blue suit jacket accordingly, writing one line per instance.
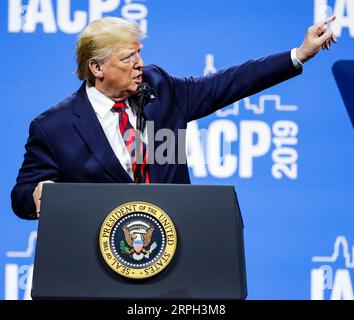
(67, 144)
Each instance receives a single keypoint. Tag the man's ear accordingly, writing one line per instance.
(96, 69)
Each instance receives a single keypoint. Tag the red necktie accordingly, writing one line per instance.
(128, 134)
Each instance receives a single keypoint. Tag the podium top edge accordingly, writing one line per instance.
(82, 184)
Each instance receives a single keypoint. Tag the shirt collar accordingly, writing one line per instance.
(100, 102)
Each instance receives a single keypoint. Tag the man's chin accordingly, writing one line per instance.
(134, 88)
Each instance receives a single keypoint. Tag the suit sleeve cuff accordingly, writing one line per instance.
(296, 62)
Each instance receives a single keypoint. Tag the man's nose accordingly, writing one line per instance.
(139, 62)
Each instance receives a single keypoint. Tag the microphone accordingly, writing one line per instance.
(142, 95)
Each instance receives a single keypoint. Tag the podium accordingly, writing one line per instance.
(74, 261)
(343, 72)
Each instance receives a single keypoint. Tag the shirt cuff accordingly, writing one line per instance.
(296, 62)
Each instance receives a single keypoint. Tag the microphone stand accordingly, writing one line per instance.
(138, 139)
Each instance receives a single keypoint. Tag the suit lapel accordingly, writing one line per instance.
(92, 133)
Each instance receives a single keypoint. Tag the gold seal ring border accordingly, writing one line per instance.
(108, 255)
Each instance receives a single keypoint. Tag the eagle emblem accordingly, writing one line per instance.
(137, 236)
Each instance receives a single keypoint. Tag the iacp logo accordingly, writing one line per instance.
(69, 16)
(19, 271)
(332, 279)
(230, 146)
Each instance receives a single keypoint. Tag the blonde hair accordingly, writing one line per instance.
(99, 39)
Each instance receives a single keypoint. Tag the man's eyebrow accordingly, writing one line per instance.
(134, 50)
(131, 52)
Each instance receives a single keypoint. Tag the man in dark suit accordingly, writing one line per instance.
(83, 138)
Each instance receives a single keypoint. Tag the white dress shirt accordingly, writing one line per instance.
(296, 62)
(109, 121)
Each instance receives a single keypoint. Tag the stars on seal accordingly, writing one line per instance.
(138, 227)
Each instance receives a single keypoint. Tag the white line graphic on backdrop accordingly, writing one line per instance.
(340, 241)
(257, 108)
(28, 252)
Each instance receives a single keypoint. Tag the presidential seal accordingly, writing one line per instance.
(138, 240)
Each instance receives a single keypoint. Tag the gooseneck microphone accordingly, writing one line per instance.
(142, 98)
(143, 95)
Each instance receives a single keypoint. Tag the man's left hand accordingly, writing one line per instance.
(317, 37)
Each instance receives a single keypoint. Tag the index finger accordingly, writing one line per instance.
(328, 20)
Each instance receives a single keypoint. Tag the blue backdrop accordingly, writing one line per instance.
(288, 150)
